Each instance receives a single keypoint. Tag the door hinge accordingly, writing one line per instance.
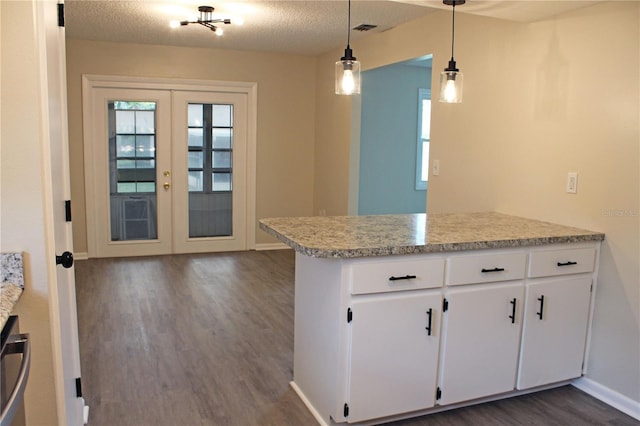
(61, 14)
(67, 210)
(349, 315)
(438, 393)
(346, 410)
(445, 305)
(78, 388)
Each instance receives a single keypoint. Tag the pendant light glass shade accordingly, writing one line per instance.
(451, 80)
(348, 68)
(347, 74)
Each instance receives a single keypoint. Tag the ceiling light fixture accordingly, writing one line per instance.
(451, 77)
(348, 68)
(206, 19)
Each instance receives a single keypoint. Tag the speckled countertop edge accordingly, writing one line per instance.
(11, 283)
(384, 235)
(9, 295)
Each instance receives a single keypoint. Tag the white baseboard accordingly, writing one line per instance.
(308, 404)
(80, 256)
(271, 246)
(609, 396)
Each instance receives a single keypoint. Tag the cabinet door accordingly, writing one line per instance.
(481, 335)
(554, 331)
(394, 356)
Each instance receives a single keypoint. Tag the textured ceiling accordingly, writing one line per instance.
(296, 27)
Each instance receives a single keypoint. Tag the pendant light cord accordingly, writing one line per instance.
(349, 26)
(453, 29)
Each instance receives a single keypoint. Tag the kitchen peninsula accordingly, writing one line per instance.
(402, 315)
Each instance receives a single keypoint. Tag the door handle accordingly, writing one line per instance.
(541, 300)
(65, 259)
(429, 321)
(512, 317)
(406, 277)
(167, 185)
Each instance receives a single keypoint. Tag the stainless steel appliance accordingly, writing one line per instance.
(15, 361)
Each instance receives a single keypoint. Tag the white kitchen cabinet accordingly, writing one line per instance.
(362, 351)
(554, 330)
(481, 336)
(394, 353)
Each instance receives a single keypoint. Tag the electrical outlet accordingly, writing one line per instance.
(436, 168)
(572, 183)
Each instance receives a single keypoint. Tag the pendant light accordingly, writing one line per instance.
(348, 68)
(451, 77)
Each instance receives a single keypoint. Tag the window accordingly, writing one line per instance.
(133, 150)
(424, 137)
(210, 147)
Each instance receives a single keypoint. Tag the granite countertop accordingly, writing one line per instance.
(383, 235)
(11, 283)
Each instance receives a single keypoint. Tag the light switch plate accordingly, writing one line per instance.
(572, 183)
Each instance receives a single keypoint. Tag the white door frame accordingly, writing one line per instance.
(90, 82)
(57, 189)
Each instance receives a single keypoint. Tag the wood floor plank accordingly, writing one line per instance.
(207, 339)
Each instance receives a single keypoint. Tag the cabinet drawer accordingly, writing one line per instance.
(396, 275)
(486, 268)
(547, 263)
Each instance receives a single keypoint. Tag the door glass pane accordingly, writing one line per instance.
(195, 137)
(223, 116)
(221, 181)
(221, 159)
(195, 181)
(210, 141)
(195, 115)
(196, 160)
(221, 138)
(132, 170)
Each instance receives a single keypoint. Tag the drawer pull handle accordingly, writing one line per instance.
(483, 270)
(567, 263)
(429, 317)
(406, 277)
(513, 311)
(541, 300)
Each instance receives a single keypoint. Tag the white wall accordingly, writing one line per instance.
(540, 100)
(22, 221)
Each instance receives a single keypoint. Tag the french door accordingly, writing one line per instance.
(168, 171)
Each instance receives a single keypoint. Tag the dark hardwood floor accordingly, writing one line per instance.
(207, 339)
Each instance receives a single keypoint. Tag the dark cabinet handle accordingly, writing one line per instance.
(406, 277)
(429, 318)
(513, 311)
(492, 270)
(541, 300)
(567, 263)
(65, 259)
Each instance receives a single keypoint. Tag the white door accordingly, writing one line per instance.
(209, 171)
(394, 354)
(554, 330)
(481, 339)
(169, 171)
(131, 144)
(65, 324)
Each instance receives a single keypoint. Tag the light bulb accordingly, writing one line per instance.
(450, 93)
(348, 83)
(219, 31)
(174, 24)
